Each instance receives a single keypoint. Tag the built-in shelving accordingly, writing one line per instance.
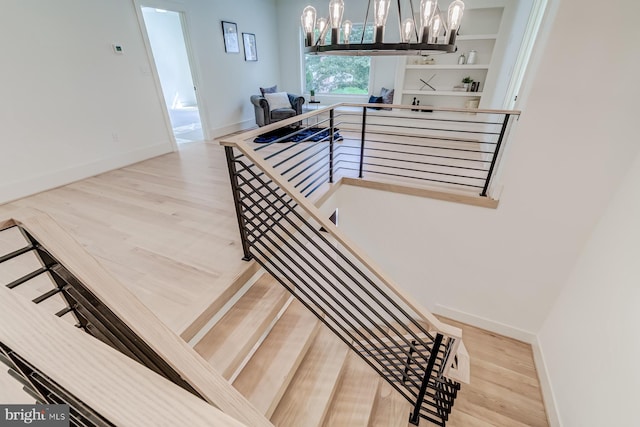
(480, 32)
(442, 93)
(447, 67)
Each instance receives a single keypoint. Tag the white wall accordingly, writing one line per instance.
(590, 339)
(72, 108)
(505, 267)
(226, 80)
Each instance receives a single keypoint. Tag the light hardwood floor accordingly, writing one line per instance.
(504, 389)
(166, 229)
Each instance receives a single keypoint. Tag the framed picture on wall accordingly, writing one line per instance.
(250, 49)
(230, 34)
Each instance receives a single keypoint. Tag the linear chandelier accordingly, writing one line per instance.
(434, 35)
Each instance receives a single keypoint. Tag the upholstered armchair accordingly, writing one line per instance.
(267, 114)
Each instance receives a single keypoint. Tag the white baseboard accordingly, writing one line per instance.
(521, 335)
(52, 179)
(548, 396)
(489, 325)
(234, 127)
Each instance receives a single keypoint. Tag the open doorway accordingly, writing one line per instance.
(165, 31)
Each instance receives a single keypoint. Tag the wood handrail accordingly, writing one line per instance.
(427, 107)
(210, 384)
(113, 385)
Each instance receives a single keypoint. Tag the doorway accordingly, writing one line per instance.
(165, 31)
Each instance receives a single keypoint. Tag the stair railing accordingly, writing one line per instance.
(99, 385)
(272, 184)
(35, 247)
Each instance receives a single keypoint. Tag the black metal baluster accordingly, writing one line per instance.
(505, 123)
(414, 418)
(364, 126)
(331, 140)
(231, 165)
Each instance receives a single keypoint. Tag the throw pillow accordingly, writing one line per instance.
(272, 89)
(277, 100)
(387, 96)
(375, 100)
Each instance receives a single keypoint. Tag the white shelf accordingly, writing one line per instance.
(482, 35)
(448, 67)
(477, 37)
(441, 93)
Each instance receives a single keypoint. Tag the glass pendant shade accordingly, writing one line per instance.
(308, 21)
(381, 12)
(456, 10)
(323, 24)
(336, 9)
(436, 28)
(427, 10)
(406, 30)
(347, 28)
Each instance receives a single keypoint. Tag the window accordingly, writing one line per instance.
(340, 74)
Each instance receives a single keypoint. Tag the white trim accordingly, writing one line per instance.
(182, 10)
(484, 323)
(137, 5)
(17, 190)
(548, 396)
(194, 66)
(234, 127)
(524, 53)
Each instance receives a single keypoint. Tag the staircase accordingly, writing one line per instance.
(293, 368)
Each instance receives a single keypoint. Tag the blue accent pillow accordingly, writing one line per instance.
(375, 100)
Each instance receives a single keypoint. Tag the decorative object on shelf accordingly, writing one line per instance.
(413, 103)
(427, 83)
(435, 34)
(472, 57)
(312, 95)
(472, 103)
(250, 48)
(427, 61)
(462, 59)
(474, 85)
(230, 35)
(477, 87)
(467, 83)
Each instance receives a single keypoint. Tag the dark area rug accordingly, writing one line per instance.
(297, 135)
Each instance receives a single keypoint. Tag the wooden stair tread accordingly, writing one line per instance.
(354, 399)
(266, 376)
(390, 409)
(227, 344)
(307, 399)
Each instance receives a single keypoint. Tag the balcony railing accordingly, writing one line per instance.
(444, 149)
